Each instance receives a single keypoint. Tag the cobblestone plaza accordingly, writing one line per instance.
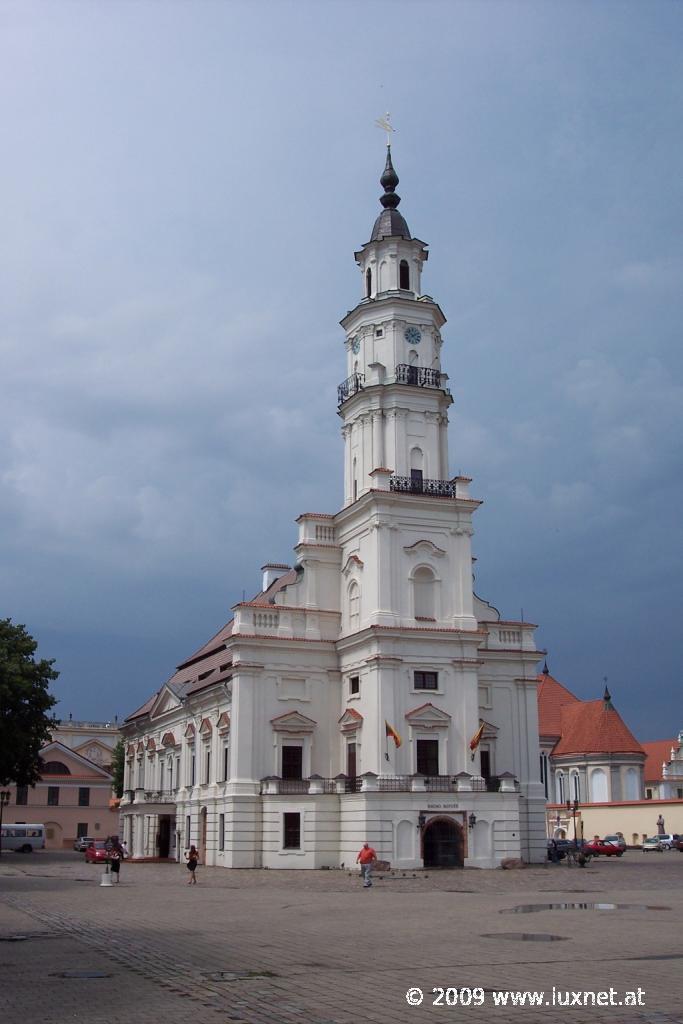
(271, 947)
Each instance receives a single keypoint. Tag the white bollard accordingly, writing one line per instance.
(106, 877)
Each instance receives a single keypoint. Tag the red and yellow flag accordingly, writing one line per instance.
(476, 739)
(393, 734)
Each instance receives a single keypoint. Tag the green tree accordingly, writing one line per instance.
(24, 703)
(117, 765)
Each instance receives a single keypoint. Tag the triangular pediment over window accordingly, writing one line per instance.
(293, 721)
(168, 740)
(189, 732)
(205, 729)
(223, 723)
(151, 745)
(490, 731)
(166, 701)
(71, 762)
(350, 720)
(428, 717)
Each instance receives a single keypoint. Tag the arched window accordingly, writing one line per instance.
(416, 471)
(424, 593)
(55, 768)
(575, 786)
(354, 606)
(632, 786)
(382, 276)
(403, 275)
(355, 481)
(598, 792)
(368, 283)
(559, 787)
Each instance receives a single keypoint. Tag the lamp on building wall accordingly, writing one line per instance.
(4, 800)
(472, 820)
(421, 820)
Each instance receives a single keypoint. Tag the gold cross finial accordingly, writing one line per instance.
(385, 124)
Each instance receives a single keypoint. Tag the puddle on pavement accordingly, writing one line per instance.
(526, 937)
(81, 975)
(240, 975)
(537, 908)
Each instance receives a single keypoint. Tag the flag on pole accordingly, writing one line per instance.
(476, 739)
(391, 732)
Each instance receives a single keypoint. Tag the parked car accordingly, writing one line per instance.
(678, 844)
(616, 840)
(600, 848)
(651, 844)
(82, 843)
(97, 851)
(667, 841)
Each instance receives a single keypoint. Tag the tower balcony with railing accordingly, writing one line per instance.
(413, 376)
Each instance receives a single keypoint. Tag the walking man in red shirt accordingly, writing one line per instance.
(366, 858)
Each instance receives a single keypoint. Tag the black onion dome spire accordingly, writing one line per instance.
(389, 181)
(390, 223)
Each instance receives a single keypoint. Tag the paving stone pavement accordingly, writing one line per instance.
(275, 947)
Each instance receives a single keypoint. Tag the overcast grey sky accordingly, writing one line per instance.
(183, 187)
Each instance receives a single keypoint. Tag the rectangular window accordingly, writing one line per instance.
(291, 831)
(187, 832)
(427, 757)
(221, 831)
(53, 796)
(351, 763)
(177, 773)
(81, 829)
(226, 762)
(84, 796)
(648, 794)
(207, 765)
(354, 684)
(192, 769)
(426, 680)
(22, 796)
(485, 762)
(292, 762)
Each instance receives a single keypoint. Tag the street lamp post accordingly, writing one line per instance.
(572, 808)
(4, 800)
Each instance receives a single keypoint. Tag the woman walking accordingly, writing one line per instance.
(192, 858)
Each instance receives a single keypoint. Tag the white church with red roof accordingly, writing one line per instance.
(366, 692)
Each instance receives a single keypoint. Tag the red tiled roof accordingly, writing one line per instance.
(552, 697)
(594, 727)
(657, 752)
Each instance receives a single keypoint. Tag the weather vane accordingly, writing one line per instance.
(385, 124)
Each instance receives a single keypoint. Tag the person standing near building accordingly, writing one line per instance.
(192, 858)
(366, 858)
(115, 858)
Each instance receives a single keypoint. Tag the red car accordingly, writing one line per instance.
(99, 851)
(599, 848)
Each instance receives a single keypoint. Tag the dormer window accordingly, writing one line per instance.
(404, 275)
(368, 283)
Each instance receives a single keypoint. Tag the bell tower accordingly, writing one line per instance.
(394, 402)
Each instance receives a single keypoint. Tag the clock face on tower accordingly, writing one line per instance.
(412, 335)
(355, 345)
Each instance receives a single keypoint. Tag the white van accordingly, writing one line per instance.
(25, 838)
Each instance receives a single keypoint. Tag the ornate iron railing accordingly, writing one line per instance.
(418, 376)
(350, 387)
(410, 485)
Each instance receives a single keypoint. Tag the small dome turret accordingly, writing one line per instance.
(390, 223)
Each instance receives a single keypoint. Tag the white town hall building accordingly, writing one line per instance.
(365, 693)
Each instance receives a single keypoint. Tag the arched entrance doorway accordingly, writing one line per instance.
(442, 844)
